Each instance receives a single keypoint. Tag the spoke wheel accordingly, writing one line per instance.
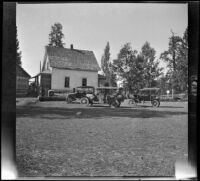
(155, 103)
(84, 101)
(116, 104)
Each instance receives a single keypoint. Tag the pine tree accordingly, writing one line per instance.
(177, 58)
(56, 36)
(18, 53)
(105, 63)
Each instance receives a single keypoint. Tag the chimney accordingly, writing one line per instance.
(72, 47)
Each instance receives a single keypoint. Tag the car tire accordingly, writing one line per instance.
(84, 100)
(155, 103)
(114, 103)
(119, 104)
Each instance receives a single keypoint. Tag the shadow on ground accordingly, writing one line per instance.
(91, 112)
(149, 106)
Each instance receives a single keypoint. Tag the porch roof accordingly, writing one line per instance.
(43, 72)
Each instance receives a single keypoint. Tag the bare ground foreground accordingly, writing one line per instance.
(59, 139)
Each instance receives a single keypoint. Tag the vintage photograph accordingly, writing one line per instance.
(101, 89)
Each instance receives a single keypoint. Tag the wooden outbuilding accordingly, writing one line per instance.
(22, 81)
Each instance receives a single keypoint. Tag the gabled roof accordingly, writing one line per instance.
(21, 72)
(72, 59)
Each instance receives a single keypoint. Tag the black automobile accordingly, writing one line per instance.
(104, 95)
(146, 95)
(79, 93)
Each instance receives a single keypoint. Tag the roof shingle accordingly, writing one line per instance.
(72, 59)
(21, 72)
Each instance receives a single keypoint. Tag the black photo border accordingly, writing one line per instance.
(8, 79)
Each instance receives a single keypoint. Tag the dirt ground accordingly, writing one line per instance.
(59, 139)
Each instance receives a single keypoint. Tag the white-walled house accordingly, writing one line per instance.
(67, 68)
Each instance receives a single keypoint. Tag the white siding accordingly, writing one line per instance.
(76, 76)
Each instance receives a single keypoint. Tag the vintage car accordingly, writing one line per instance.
(79, 93)
(104, 95)
(146, 95)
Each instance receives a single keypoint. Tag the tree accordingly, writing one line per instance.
(107, 67)
(150, 66)
(128, 67)
(113, 75)
(183, 62)
(137, 70)
(18, 53)
(177, 58)
(56, 36)
(105, 62)
(164, 84)
(171, 55)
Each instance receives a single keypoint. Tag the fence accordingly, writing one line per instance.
(164, 97)
(174, 97)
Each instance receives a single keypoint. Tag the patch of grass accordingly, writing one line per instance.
(55, 142)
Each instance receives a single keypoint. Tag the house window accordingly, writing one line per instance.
(84, 82)
(67, 81)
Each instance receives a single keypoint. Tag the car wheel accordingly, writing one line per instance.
(132, 103)
(118, 103)
(84, 101)
(114, 103)
(155, 103)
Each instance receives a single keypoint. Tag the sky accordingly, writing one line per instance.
(89, 26)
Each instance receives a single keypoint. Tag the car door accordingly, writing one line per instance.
(145, 96)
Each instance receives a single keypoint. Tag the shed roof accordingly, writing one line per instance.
(21, 72)
(72, 59)
(43, 72)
